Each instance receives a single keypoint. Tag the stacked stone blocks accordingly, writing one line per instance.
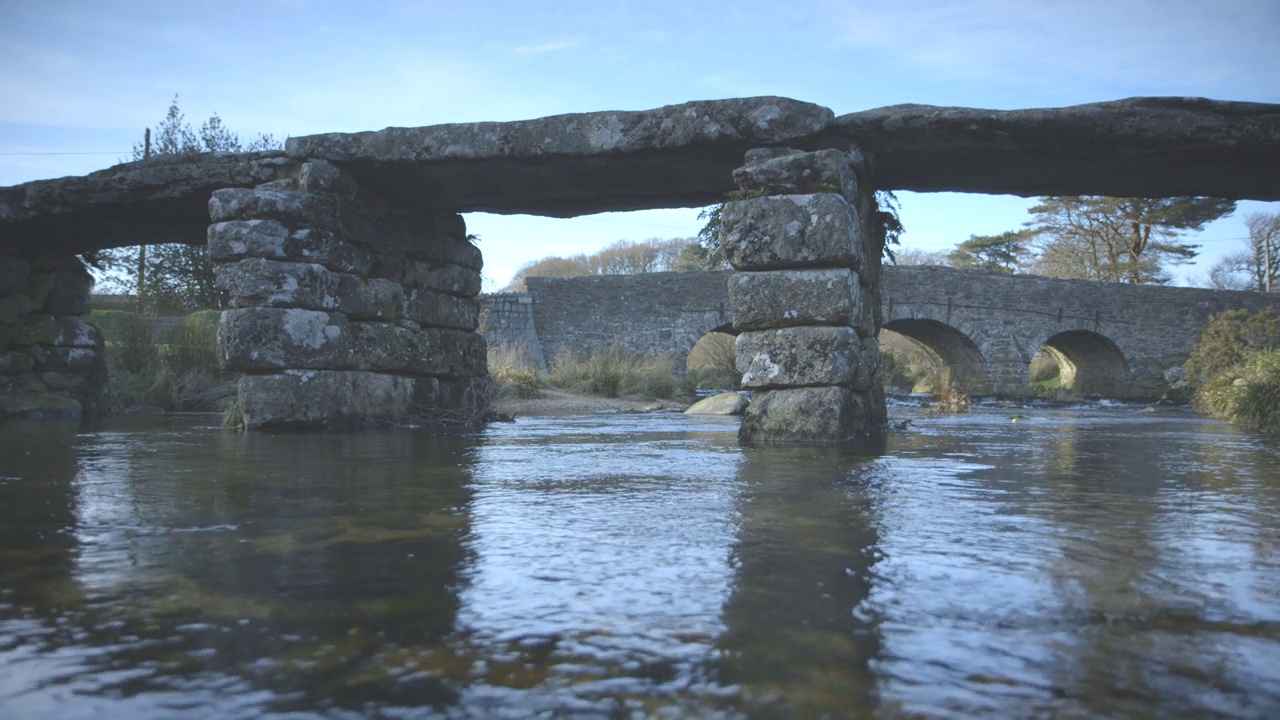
(344, 309)
(52, 363)
(806, 296)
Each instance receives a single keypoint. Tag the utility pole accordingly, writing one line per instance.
(142, 249)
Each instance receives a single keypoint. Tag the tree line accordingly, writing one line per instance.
(173, 278)
(1131, 240)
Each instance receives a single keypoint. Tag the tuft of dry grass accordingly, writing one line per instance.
(513, 372)
(615, 372)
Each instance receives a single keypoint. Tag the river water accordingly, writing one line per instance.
(1070, 563)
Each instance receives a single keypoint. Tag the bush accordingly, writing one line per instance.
(613, 372)
(180, 374)
(1248, 394)
(131, 345)
(1229, 340)
(712, 363)
(193, 344)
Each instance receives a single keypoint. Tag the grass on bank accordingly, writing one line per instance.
(174, 371)
(610, 373)
(1235, 369)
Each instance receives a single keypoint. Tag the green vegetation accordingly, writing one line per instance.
(1235, 368)
(173, 371)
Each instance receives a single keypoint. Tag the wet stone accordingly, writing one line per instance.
(811, 414)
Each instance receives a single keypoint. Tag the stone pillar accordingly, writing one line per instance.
(806, 296)
(52, 363)
(346, 310)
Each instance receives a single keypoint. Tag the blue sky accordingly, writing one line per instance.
(87, 77)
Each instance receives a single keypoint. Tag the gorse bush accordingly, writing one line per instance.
(1230, 339)
(131, 344)
(193, 344)
(1247, 395)
(1235, 368)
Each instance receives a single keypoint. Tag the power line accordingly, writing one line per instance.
(104, 152)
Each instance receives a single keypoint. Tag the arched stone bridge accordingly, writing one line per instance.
(353, 287)
(1111, 339)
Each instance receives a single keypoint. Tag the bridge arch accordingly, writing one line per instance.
(959, 360)
(1088, 362)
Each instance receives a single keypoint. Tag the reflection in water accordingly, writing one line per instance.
(794, 637)
(1080, 563)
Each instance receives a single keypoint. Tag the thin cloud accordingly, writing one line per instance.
(543, 48)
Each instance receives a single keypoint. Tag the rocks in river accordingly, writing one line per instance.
(729, 403)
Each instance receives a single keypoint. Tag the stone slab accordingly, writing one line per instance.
(566, 165)
(1138, 147)
(271, 283)
(318, 399)
(272, 240)
(257, 340)
(792, 231)
(787, 298)
(798, 357)
(160, 200)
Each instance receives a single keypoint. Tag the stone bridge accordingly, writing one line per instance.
(1110, 339)
(353, 285)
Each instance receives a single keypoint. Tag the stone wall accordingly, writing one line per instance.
(1009, 317)
(346, 310)
(654, 313)
(506, 321)
(52, 363)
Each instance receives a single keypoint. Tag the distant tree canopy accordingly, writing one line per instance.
(173, 277)
(1130, 240)
(1118, 239)
(1001, 253)
(624, 257)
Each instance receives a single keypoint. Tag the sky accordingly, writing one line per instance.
(80, 80)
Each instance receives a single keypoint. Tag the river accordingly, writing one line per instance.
(1006, 563)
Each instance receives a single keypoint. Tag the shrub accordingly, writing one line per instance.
(193, 344)
(1248, 394)
(712, 363)
(1229, 340)
(131, 345)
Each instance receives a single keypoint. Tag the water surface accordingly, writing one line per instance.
(1086, 562)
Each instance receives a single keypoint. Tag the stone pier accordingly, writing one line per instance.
(345, 309)
(806, 296)
(52, 363)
